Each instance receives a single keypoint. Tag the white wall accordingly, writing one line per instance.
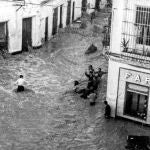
(92, 5)
(46, 11)
(14, 18)
(78, 4)
(116, 30)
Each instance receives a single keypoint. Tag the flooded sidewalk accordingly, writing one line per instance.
(49, 115)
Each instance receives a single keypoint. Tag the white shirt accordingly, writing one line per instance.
(20, 82)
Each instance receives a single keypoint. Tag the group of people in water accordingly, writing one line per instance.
(91, 90)
(94, 78)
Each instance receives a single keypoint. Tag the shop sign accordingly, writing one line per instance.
(138, 78)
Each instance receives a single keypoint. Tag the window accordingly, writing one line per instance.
(136, 101)
(136, 30)
(143, 25)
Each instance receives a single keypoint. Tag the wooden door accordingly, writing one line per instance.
(3, 36)
(73, 9)
(55, 21)
(26, 33)
(68, 13)
(60, 24)
(97, 2)
(46, 29)
(84, 5)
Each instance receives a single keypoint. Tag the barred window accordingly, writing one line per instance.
(143, 25)
(136, 30)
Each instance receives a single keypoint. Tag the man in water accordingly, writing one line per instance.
(20, 83)
(107, 110)
(90, 73)
(100, 73)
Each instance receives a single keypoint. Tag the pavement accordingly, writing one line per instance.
(48, 115)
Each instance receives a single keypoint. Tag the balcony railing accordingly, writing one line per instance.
(136, 30)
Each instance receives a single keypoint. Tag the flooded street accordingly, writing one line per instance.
(48, 115)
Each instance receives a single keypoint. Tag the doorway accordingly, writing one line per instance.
(97, 3)
(73, 11)
(68, 13)
(136, 102)
(84, 5)
(3, 36)
(55, 21)
(46, 29)
(60, 24)
(26, 33)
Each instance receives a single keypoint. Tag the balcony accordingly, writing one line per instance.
(136, 32)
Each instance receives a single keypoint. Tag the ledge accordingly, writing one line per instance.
(130, 59)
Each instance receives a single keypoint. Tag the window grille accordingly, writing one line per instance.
(136, 30)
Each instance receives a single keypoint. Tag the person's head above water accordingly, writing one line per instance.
(90, 67)
(99, 69)
(105, 102)
(21, 76)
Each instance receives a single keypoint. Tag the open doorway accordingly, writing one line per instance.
(73, 11)
(55, 21)
(3, 36)
(136, 102)
(61, 12)
(68, 13)
(46, 29)
(26, 33)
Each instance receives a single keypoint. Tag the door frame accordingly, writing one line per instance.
(46, 29)
(73, 11)
(55, 22)
(23, 40)
(61, 17)
(68, 19)
(6, 34)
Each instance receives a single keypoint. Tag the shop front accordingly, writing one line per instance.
(133, 95)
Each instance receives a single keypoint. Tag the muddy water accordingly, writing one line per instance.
(49, 116)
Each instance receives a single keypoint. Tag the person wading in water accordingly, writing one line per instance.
(20, 83)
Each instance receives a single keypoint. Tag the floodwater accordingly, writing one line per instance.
(48, 115)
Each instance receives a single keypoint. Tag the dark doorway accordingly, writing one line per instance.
(3, 36)
(84, 5)
(68, 13)
(60, 24)
(97, 3)
(73, 9)
(26, 33)
(136, 102)
(55, 20)
(46, 29)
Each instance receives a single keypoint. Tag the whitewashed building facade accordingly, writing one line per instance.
(26, 23)
(128, 87)
(19, 25)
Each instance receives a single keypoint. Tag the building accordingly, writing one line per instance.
(59, 13)
(19, 25)
(128, 87)
(31, 23)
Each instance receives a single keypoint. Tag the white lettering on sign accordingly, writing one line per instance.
(138, 79)
(127, 75)
(147, 80)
